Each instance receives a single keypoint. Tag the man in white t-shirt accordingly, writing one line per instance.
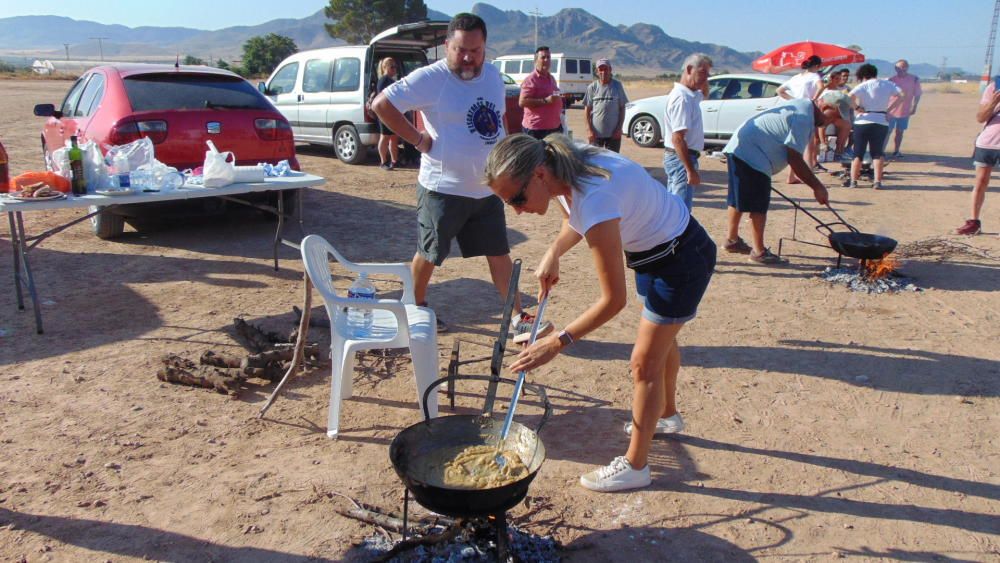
(462, 103)
(684, 137)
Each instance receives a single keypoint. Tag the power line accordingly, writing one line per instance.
(100, 45)
(536, 13)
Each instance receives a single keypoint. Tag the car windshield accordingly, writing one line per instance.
(157, 92)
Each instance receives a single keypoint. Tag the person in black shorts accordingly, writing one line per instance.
(388, 142)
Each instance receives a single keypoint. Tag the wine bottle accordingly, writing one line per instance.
(76, 168)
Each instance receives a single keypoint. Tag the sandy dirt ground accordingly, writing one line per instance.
(822, 423)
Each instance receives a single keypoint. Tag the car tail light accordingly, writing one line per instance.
(155, 130)
(127, 131)
(123, 132)
(273, 129)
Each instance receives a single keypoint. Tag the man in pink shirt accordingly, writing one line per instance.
(986, 156)
(540, 98)
(899, 117)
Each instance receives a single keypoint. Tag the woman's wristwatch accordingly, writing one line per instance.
(565, 338)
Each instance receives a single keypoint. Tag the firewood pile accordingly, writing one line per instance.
(269, 355)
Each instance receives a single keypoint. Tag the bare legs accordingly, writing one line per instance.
(388, 146)
(422, 270)
(757, 223)
(655, 363)
(979, 189)
(898, 140)
(500, 269)
(877, 163)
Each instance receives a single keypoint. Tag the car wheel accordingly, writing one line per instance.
(347, 145)
(106, 225)
(645, 131)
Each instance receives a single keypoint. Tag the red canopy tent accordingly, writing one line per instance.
(790, 56)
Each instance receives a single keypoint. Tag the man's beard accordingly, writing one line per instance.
(465, 73)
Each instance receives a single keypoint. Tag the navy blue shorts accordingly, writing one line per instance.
(986, 158)
(870, 136)
(673, 290)
(749, 188)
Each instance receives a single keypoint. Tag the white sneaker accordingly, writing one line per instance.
(671, 425)
(617, 476)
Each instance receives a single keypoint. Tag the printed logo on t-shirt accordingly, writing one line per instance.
(484, 120)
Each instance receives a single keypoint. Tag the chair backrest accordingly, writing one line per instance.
(315, 255)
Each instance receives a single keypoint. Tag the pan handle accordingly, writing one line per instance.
(821, 226)
(534, 388)
(796, 205)
(842, 221)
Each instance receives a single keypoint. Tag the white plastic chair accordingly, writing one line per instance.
(395, 324)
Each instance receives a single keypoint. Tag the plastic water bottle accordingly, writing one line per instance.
(360, 320)
(120, 168)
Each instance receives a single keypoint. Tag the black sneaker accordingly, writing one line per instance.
(522, 328)
(441, 325)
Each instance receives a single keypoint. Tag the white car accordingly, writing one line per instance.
(732, 98)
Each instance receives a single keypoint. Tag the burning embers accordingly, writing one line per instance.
(873, 270)
(872, 276)
(470, 541)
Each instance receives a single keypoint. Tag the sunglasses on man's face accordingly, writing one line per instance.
(521, 197)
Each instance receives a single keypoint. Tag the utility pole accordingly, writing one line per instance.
(66, 45)
(100, 44)
(988, 69)
(536, 13)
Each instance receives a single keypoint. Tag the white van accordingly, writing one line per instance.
(322, 92)
(573, 73)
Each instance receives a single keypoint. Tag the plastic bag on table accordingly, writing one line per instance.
(218, 170)
(58, 162)
(94, 170)
(139, 153)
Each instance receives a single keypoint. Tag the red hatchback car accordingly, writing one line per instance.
(178, 108)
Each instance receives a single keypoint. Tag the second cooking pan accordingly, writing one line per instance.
(852, 243)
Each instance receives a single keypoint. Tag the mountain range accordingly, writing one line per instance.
(639, 49)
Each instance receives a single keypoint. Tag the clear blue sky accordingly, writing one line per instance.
(919, 30)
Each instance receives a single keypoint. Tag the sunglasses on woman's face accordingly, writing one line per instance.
(521, 197)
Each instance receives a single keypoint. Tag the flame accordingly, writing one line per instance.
(878, 269)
